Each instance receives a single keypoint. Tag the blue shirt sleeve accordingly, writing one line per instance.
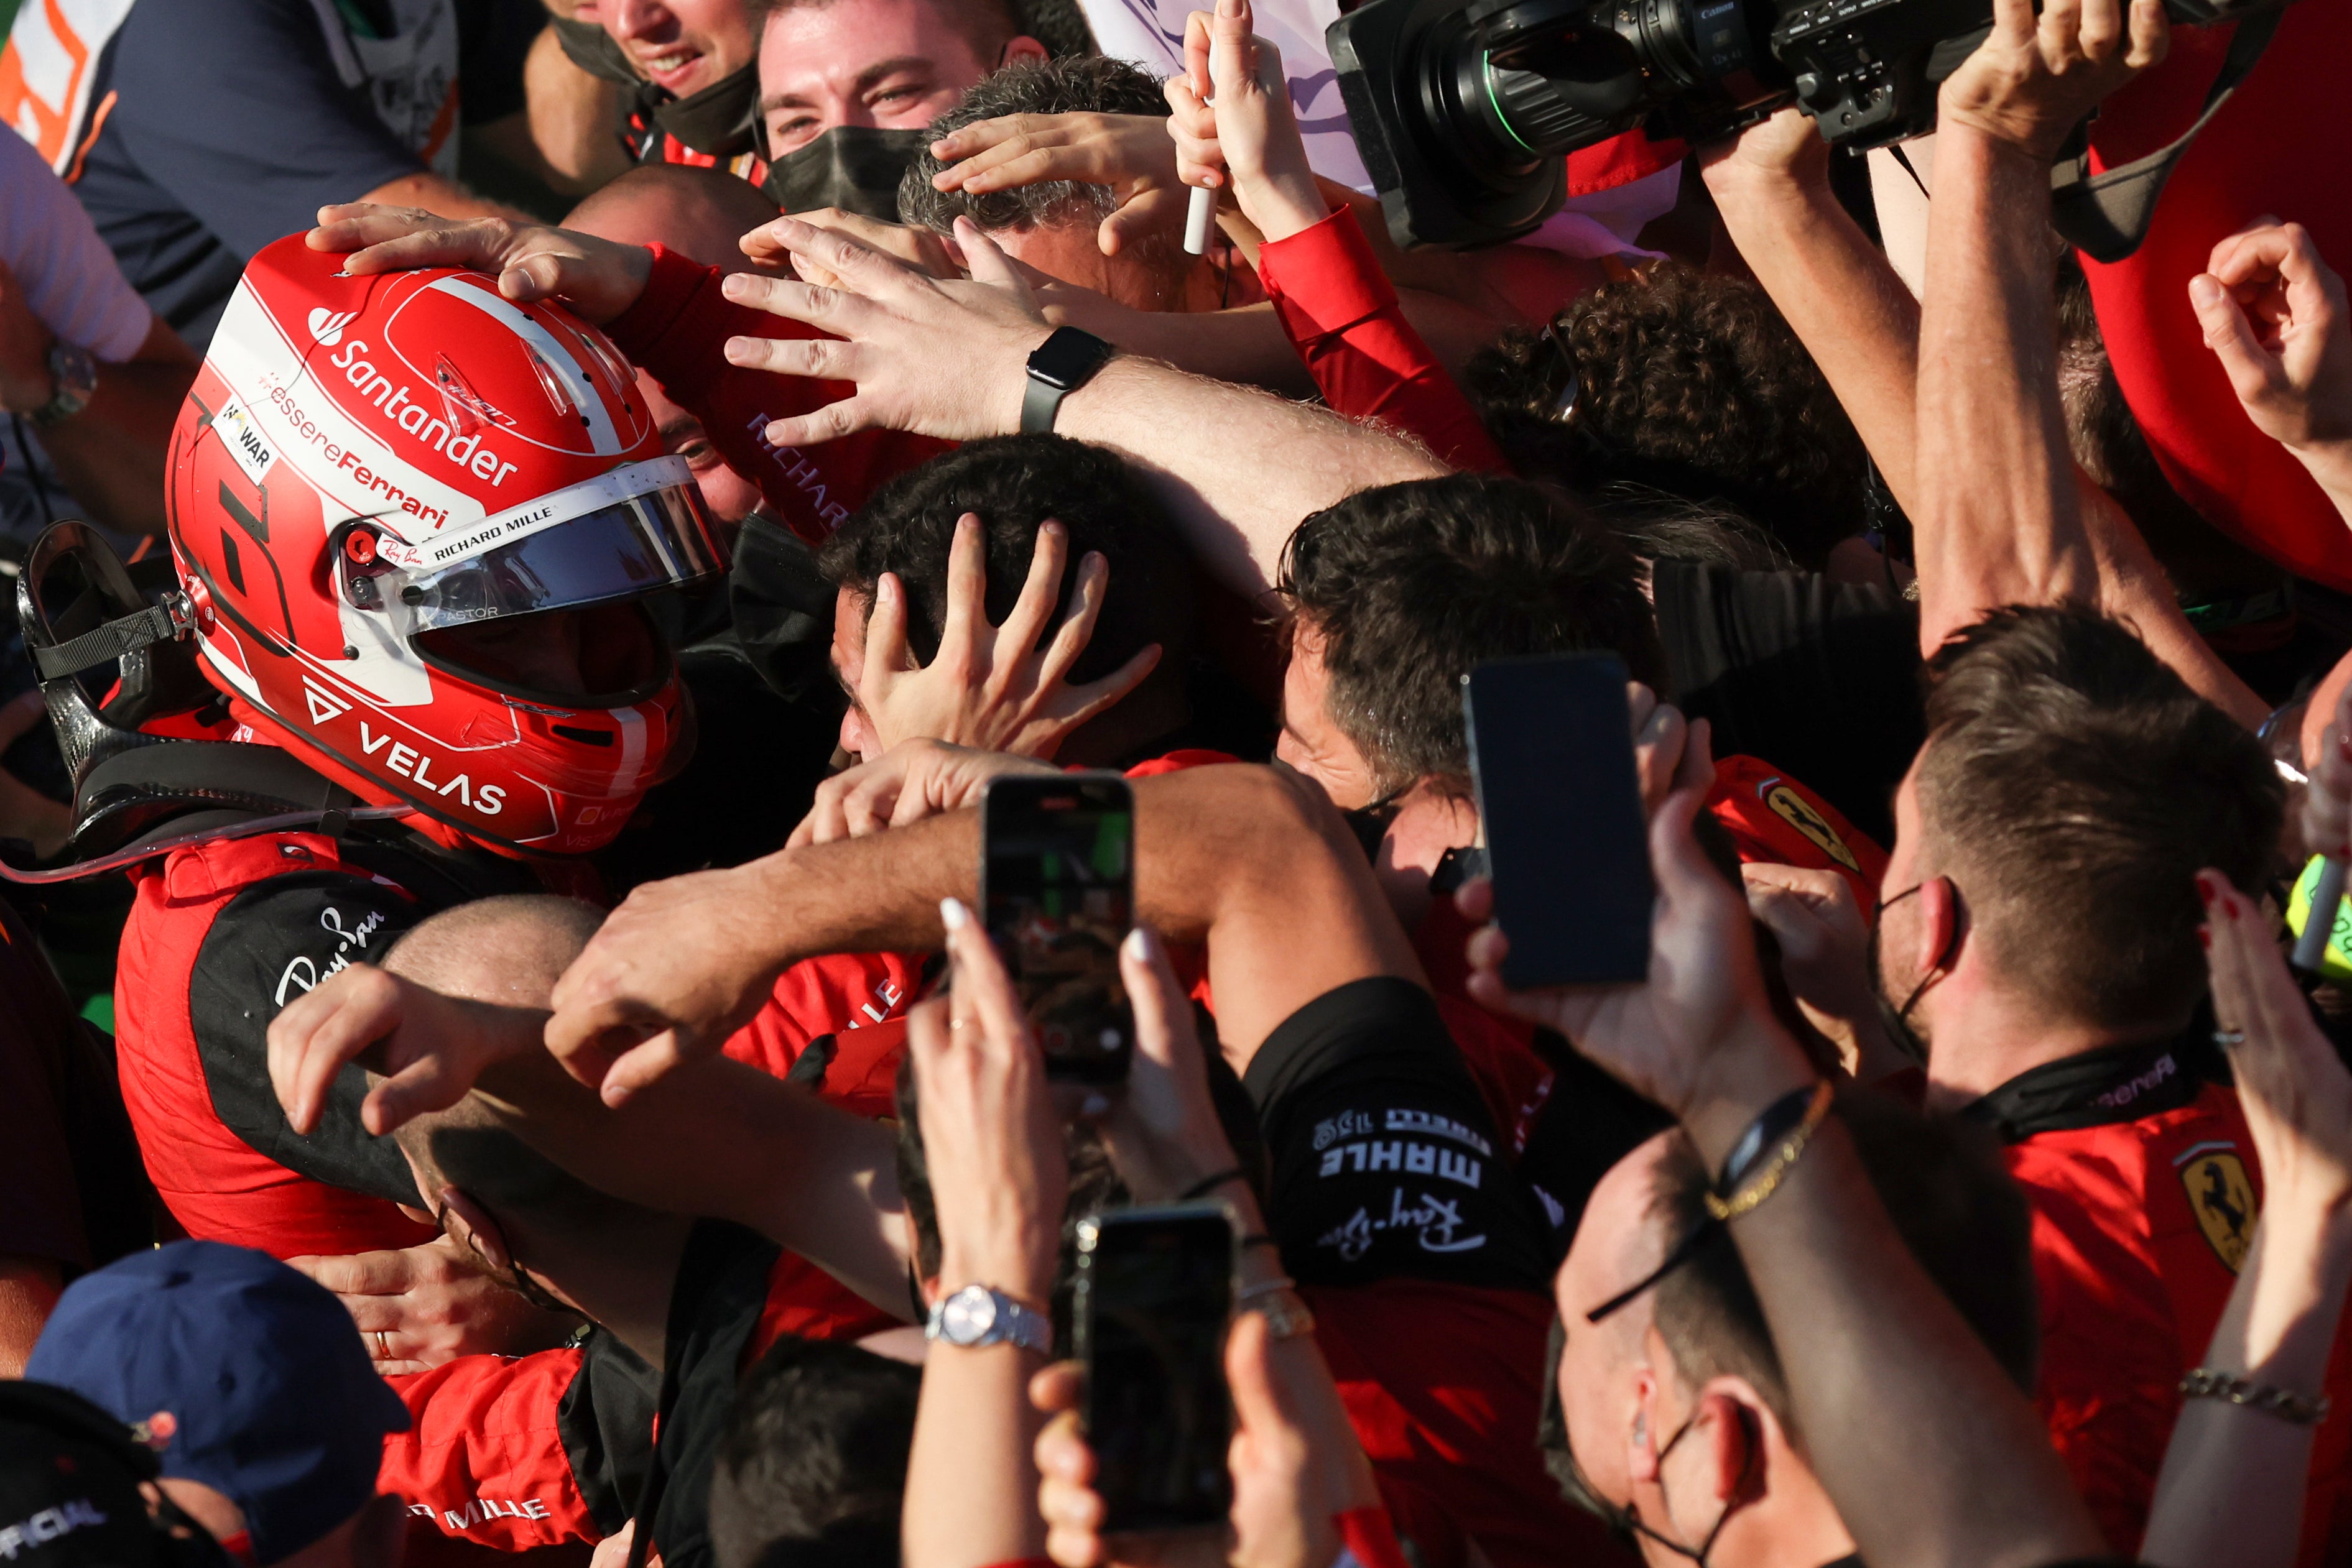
(235, 108)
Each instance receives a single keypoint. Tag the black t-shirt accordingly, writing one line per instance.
(1817, 678)
(1386, 1163)
(227, 124)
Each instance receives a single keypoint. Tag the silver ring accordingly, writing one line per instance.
(2226, 1038)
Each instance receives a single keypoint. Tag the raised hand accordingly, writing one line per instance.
(1825, 958)
(1127, 152)
(1296, 1464)
(2275, 315)
(1249, 137)
(2292, 1085)
(1161, 1126)
(596, 278)
(892, 329)
(2035, 76)
(992, 687)
(992, 1144)
(1701, 1017)
(422, 1306)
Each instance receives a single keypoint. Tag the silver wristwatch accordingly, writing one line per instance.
(977, 1315)
(73, 379)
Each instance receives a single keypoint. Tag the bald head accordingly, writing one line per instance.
(699, 212)
(509, 950)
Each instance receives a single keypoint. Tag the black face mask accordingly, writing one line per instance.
(718, 120)
(595, 50)
(856, 168)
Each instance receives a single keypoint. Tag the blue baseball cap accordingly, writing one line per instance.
(267, 1392)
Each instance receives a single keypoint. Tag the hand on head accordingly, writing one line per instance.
(1131, 153)
(993, 687)
(431, 1049)
(912, 780)
(596, 278)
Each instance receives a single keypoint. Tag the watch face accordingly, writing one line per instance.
(1067, 358)
(968, 1315)
(74, 369)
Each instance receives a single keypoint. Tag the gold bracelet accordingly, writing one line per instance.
(2206, 1384)
(1776, 1164)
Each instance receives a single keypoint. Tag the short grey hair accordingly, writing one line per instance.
(1091, 84)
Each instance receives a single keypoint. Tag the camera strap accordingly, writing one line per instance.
(2105, 216)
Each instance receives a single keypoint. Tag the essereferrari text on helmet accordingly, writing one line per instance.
(372, 480)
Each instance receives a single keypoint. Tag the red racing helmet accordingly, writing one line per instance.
(417, 522)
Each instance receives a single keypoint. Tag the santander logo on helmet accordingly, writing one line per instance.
(401, 502)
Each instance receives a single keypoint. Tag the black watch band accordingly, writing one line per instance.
(1058, 367)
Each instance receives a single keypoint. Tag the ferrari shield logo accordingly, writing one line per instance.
(1809, 822)
(2222, 1199)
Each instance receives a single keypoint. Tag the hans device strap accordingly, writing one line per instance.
(176, 617)
(1060, 366)
(2106, 216)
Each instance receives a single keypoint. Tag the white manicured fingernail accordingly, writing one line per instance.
(953, 915)
(1138, 945)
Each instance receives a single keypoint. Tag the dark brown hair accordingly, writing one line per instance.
(2071, 787)
(1412, 585)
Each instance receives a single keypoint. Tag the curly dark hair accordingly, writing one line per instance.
(1691, 383)
(1016, 483)
(1412, 585)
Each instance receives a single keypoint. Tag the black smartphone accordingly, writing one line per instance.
(1057, 894)
(1551, 757)
(1155, 1291)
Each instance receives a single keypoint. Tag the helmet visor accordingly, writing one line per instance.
(628, 533)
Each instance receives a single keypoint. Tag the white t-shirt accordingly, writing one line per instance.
(71, 282)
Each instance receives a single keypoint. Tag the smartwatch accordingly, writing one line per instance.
(1060, 366)
(73, 377)
(977, 1316)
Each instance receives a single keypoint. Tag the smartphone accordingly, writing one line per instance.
(1551, 758)
(1155, 1291)
(1057, 894)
